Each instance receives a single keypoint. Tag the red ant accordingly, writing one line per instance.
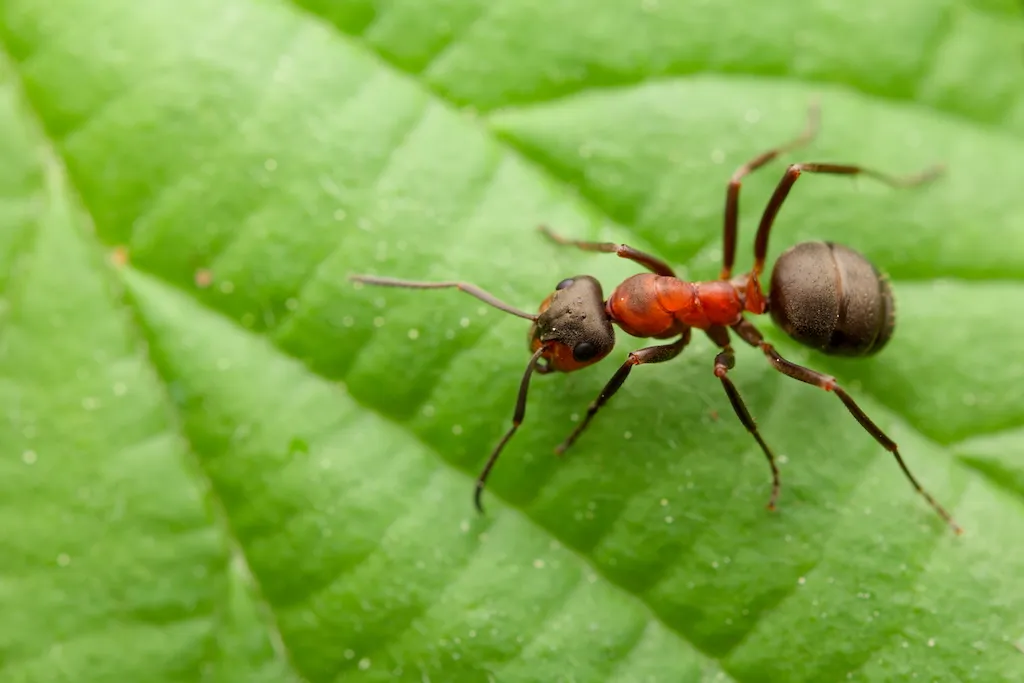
(823, 295)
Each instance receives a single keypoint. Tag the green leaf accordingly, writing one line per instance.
(223, 462)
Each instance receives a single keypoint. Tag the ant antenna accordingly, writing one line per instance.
(466, 287)
(473, 290)
(517, 419)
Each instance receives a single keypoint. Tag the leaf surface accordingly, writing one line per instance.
(223, 462)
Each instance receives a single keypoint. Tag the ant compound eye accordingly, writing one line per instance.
(584, 351)
(564, 283)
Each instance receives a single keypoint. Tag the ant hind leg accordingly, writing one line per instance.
(732, 193)
(752, 336)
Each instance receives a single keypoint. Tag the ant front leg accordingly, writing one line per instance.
(651, 263)
(750, 334)
(724, 362)
(650, 354)
(755, 295)
(732, 194)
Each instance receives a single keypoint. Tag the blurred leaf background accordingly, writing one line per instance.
(222, 462)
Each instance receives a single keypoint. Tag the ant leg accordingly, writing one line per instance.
(732, 194)
(752, 336)
(650, 354)
(651, 263)
(517, 419)
(755, 295)
(466, 287)
(724, 362)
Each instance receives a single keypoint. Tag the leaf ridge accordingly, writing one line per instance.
(443, 50)
(941, 34)
(320, 268)
(985, 470)
(314, 589)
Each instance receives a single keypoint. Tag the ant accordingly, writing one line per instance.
(821, 294)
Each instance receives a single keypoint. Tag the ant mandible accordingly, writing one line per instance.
(821, 294)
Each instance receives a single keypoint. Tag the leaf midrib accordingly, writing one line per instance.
(221, 519)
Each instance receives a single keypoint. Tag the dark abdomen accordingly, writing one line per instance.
(831, 298)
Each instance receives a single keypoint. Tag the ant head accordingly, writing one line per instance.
(572, 326)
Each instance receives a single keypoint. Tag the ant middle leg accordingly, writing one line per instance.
(750, 334)
(724, 362)
(651, 263)
(732, 193)
(650, 354)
